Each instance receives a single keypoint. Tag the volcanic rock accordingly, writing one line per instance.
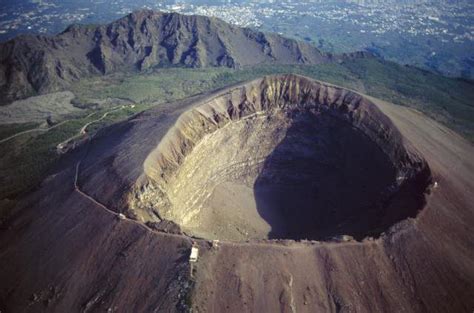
(144, 39)
(63, 249)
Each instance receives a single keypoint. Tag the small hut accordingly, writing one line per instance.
(193, 257)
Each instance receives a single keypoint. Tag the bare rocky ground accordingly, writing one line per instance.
(65, 249)
(39, 108)
(55, 106)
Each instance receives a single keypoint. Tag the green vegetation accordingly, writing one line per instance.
(447, 100)
(26, 159)
(160, 85)
(8, 130)
(29, 157)
(116, 115)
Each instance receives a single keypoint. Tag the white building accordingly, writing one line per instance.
(193, 257)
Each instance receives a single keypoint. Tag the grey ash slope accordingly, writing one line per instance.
(61, 251)
(36, 64)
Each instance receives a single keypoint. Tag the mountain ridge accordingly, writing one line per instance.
(144, 39)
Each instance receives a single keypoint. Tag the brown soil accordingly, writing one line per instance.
(62, 252)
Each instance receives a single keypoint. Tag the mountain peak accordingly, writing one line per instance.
(141, 40)
(142, 14)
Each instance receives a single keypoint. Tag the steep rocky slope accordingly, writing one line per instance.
(141, 40)
(64, 248)
(283, 158)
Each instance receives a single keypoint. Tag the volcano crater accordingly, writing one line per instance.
(283, 157)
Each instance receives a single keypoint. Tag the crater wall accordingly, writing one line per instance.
(282, 157)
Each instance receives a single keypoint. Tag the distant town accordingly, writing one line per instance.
(439, 30)
(446, 20)
(451, 21)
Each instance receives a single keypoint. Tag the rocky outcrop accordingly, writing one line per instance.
(144, 39)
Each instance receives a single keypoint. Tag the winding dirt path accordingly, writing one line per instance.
(40, 129)
(102, 206)
(32, 131)
(76, 187)
(83, 129)
(118, 215)
(192, 238)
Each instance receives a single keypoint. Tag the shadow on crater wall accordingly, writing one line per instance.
(327, 178)
(284, 157)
